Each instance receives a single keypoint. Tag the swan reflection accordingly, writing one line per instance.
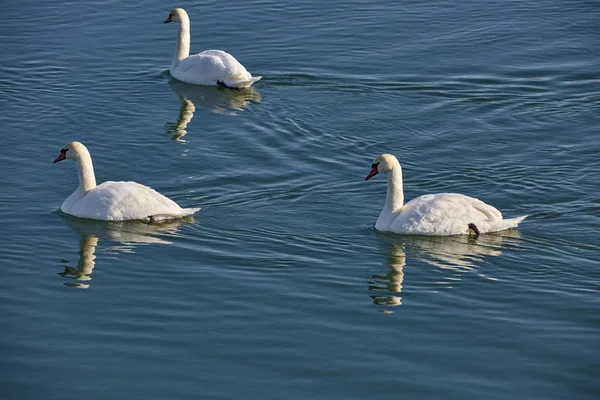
(125, 236)
(460, 253)
(85, 264)
(218, 99)
(454, 254)
(392, 281)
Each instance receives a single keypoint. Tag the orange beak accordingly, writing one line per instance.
(63, 156)
(373, 172)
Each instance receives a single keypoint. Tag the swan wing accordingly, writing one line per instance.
(452, 205)
(121, 201)
(212, 67)
(444, 214)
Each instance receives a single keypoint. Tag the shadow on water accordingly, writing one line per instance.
(218, 99)
(125, 236)
(455, 255)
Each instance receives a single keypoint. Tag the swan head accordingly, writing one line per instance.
(176, 15)
(383, 163)
(71, 150)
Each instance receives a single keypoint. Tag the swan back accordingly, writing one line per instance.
(211, 67)
(123, 201)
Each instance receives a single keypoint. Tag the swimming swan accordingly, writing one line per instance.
(114, 201)
(433, 214)
(211, 67)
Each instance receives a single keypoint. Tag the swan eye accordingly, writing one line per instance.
(64, 151)
(374, 165)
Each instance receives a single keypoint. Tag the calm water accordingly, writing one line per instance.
(280, 288)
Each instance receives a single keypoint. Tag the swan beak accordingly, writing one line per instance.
(63, 156)
(170, 19)
(372, 173)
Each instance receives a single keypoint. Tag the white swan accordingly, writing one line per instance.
(114, 201)
(433, 214)
(211, 67)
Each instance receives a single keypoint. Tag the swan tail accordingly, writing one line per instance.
(166, 217)
(189, 211)
(239, 83)
(506, 224)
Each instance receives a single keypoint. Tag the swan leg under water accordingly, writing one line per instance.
(438, 214)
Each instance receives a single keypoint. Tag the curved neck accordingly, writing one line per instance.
(85, 168)
(182, 51)
(395, 195)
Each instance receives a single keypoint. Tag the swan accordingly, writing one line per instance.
(114, 201)
(438, 214)
(210, 67)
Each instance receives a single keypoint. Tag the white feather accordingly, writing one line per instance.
(433, 214)
(114, 201)
(210, 67)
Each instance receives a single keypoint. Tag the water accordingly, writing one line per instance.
(280, 287)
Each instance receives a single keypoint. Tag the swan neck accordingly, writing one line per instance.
(182, 51)
(87, 179)
(395, 195)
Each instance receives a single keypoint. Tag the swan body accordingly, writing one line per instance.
(438, 214)
(210, 67)
(114, 201)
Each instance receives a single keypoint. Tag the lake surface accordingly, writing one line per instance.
(280, 287)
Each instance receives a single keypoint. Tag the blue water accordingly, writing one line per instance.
(280, 287)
